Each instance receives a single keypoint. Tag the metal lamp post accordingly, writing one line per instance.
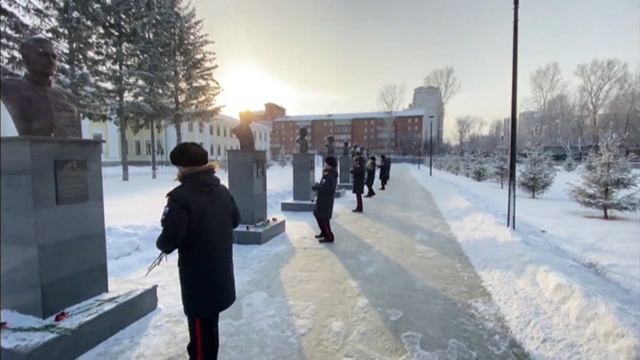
(430, 145)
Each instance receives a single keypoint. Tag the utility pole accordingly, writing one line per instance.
(513, 149)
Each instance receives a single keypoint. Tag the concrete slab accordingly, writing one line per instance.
(294, 205)
(258, 235)
(90, 332)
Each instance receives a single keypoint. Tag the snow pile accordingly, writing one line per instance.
(557, 303)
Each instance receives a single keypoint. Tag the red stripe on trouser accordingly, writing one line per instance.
(198, 340)
(327, 229)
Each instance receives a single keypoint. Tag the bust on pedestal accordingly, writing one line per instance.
(52, 233)
(304, 171)
(345, 164)
(248, 185)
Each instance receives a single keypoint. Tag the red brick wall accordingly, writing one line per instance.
(319, 132)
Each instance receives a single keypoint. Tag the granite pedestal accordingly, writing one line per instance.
(304, 170)
(52, 242)
(344, 179)
(345, 165)
(248, 185)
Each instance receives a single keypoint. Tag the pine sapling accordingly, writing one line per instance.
(537, 175)
(480, 170)
(606, 183)
(501, 165)
(569, 164)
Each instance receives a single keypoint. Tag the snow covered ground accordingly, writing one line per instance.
(397, 284)
(567, 281)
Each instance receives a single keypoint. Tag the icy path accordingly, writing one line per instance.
(395, 285)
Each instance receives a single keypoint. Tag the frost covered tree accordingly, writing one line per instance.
(193, 88)
(20, 19)
(480, 171)
(606, 176)
(538, 173)
(501, 164)
(569, 164)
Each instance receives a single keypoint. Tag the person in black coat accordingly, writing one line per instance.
(326, 190)
(384, 171)
(371, 176)
(198, 221)
(358, 172)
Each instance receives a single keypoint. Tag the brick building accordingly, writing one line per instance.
(405, 134)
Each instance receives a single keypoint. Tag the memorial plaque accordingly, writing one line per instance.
(71, 181)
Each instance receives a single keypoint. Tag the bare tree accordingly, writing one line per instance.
(624, 111)
(599, 81)
(546, 83)
(449, 85)
(390, 99)
(466, 126)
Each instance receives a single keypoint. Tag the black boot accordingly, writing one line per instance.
(319, 236)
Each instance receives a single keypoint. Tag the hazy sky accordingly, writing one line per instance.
(329, 56)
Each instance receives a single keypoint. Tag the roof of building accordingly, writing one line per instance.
(352, 116)
(233, 121)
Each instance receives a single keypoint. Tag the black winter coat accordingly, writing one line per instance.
(371, 173)
(326, 194)
(358, 172)
(385, 169)
(198, 221)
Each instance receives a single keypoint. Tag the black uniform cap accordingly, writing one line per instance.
(331, 161)
(189, 154)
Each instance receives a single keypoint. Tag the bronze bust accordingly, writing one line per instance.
(245, 135)
(302, 141)
(331, 148)
(37, 107)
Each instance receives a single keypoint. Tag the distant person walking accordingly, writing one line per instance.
(358, 172)
(326, 190)
(384, 171)
(371, 176)
(198, 221)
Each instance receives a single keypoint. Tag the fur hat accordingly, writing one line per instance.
(189, 154)
(331, 161)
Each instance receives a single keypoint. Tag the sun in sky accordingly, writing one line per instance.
(247, 87)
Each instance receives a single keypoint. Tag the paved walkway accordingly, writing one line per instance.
(395, 285)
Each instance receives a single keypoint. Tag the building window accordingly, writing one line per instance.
(147, 147)
(210, 129)
(218, 130)
(224, 131)
(219, 152)
(211, 149)
(190, 126)
(200, 128)
(159, 147)
(201, 145)
(138, 147)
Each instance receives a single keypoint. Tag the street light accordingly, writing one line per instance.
(430, 145)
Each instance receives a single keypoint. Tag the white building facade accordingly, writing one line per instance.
(429, 99)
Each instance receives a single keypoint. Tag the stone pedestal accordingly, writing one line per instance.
(345, 164)
(53, 250)
(304, 169)
(248, 185)
(53, 238)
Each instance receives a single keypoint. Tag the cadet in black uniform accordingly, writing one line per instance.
(198, 221)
